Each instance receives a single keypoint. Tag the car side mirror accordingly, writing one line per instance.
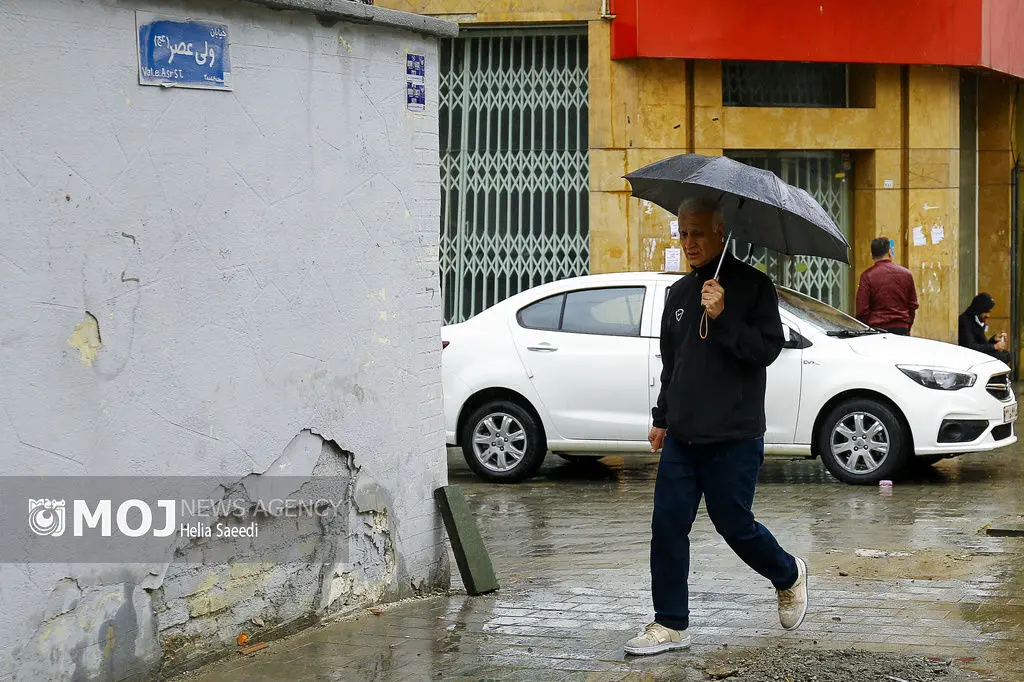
(794, 339)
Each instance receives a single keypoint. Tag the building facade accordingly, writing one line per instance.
(899, 127)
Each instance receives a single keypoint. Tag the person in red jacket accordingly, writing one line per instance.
(886, 296)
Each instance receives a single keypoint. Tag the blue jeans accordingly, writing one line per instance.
(725, 474)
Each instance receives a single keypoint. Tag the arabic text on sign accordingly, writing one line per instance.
(182, 48)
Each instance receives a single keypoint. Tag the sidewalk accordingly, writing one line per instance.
(571, 549)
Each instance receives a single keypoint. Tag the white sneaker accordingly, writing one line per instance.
(657, 638)
(793, 602)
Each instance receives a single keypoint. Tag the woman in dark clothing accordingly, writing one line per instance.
(973, 327)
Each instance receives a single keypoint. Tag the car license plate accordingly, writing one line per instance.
(1010, 413)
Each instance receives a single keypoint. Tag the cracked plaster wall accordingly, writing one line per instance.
(191, 280)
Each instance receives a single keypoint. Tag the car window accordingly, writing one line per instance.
(821, 315)
(604, 311)
(544, 314)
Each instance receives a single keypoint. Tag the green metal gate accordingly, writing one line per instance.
(820, 173)
(514, 164)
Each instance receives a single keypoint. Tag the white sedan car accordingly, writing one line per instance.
(574, 367)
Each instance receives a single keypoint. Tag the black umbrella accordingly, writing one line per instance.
(758, 207)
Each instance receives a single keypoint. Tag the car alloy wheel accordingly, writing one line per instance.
(860, 443)
(863, 440)
(499, 442)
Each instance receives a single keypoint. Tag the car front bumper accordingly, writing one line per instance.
(980, 402)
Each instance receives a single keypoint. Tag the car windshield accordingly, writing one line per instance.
(831, 321)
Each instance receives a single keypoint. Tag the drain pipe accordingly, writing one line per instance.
(1015, 326)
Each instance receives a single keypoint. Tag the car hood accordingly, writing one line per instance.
(915, 351)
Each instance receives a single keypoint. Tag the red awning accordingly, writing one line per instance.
(973, 33)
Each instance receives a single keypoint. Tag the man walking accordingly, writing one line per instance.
(710, 424)
(886, 297)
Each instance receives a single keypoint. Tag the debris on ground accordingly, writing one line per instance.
(930, 563)
(878, 554)
(805, 665)
(254, 648)
(1006, 528)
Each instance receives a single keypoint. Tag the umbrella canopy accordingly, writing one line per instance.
(758, 207)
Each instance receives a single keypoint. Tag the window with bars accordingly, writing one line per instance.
(816, 172)
(514, 164)
(784, 84)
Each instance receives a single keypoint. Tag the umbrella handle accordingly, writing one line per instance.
(704, 324)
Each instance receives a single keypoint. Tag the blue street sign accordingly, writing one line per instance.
(191, 54)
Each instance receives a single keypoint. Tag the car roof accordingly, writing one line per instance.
(586, 281)
(604, 279)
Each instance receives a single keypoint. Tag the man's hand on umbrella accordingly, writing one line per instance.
(712, 297)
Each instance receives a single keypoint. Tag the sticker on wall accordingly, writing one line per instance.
(182, 53)
(415, 83)
(919, 238)
(415, 67)
(672, 263)
(674, 229)
(416, 97)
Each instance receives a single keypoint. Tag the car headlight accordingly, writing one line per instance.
(937, 378)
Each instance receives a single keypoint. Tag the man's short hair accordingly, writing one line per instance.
(702, 206)
(879, 247)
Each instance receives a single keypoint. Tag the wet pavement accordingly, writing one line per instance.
(908, 571)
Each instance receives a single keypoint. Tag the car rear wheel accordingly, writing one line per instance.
(502, 442)
(862, 441)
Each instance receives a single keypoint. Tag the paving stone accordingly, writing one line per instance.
(571, 554)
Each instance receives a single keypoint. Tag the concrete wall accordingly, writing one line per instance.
(217, 283)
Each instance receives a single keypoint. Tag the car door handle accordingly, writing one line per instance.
(543, 347)
(657, 355)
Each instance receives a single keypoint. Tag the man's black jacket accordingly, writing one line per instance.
(713, 389)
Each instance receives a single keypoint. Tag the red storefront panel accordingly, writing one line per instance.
(947, 32)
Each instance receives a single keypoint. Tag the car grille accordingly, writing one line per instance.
(999, 386)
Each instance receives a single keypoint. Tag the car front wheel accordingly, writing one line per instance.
(502, 442)
(862, 441)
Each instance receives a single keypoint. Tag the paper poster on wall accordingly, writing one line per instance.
(919, 238)
(674, 229)
(672, 260)
(182, 53)
(938, 233)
